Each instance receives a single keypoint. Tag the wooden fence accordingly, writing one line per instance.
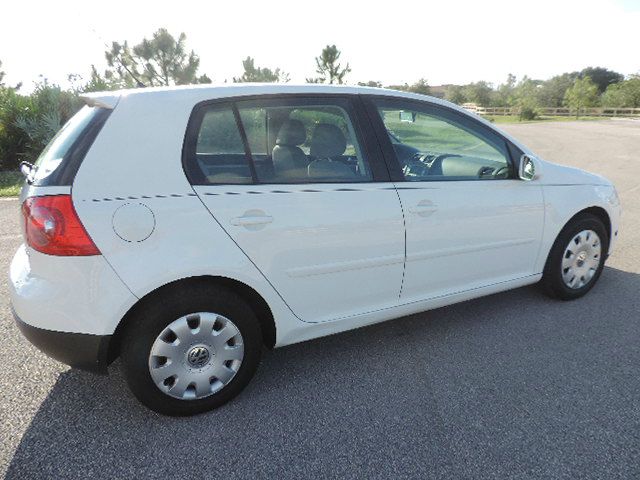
(558, 112)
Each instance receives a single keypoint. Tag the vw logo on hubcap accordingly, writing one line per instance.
(198, 357)
(582, 256)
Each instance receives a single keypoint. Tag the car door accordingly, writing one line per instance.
(469, 221)
(294, 181)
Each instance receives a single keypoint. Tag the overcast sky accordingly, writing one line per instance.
(449, 41)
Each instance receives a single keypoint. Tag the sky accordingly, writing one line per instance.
(451, 41)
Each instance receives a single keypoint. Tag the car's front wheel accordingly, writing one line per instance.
(191, 350)
(576, 259)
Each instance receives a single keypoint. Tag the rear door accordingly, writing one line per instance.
(470, 222)
(323, 223)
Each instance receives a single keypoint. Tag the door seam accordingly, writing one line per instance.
(404, 225)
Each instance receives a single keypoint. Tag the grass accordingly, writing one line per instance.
(10, 183)
(542, 118)
(430, 134)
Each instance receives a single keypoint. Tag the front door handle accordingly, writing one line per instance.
(245, 221)
(424, 208)
(252, 218)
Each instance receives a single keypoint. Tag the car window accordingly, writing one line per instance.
(437, 145)
(68, 146)
(296, 143)
(220, 154)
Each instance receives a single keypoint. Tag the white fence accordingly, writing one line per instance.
(558, 112)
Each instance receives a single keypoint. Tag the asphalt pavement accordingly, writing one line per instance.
(513, 385)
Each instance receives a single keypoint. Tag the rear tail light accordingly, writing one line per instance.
(52, 226)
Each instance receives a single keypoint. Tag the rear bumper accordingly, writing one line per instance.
(79, 350)
(67, 294)
(68, 307)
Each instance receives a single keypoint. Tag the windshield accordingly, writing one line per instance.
(53, 154)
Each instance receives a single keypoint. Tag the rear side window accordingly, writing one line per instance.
(59, 161)
(293, 143)
(274, 141)
(220, 156)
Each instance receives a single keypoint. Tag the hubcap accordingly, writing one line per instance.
(196, 355)
(581, 259)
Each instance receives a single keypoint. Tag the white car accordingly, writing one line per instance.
(184, 229)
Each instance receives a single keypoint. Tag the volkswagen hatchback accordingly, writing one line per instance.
(184, 229)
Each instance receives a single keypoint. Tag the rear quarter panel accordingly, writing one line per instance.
(137, 160)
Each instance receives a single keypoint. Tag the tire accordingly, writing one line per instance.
(197, 311)
(557, 274)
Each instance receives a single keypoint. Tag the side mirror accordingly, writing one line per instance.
(527, 170)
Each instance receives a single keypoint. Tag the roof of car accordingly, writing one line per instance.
(193, 94)
(109, 99)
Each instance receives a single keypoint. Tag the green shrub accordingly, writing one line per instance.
(528, 113)
(13, 140)
(623, 94)
(27, 123)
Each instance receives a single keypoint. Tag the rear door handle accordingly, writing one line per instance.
(424, 208)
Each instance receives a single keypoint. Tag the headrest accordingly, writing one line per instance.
(327, 141)
(291, 132)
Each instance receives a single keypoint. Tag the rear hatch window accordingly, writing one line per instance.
(59, 161)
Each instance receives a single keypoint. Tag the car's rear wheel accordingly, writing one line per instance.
(576, 259)
(191, 350)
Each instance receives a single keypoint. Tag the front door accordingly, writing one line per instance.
(469, 222)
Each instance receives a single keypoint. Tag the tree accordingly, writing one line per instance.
(161, 60)
(421, 86)
(583, 94)
(371, 83)
(623, 94)
(480, 93)
(455, 94)
(551, 93)
(526, 99)
(96, 82)
(257, 74)
(2, 74)
(328, 68)
(504, 96)
(602, 77)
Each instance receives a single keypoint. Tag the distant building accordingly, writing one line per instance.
(439, 91)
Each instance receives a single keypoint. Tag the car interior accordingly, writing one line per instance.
(436, 149)
(289, 145)
(424, 165)
(316, 144)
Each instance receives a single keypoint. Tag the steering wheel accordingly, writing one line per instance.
(416, 166)
(501, 171)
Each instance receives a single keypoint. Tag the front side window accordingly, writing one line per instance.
(434, 144)
(297, 143)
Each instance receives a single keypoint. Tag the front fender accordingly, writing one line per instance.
(563, 202)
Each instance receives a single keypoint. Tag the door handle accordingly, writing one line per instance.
(424, 208)
(251, 220)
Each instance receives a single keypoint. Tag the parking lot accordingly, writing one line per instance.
(514, 385)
